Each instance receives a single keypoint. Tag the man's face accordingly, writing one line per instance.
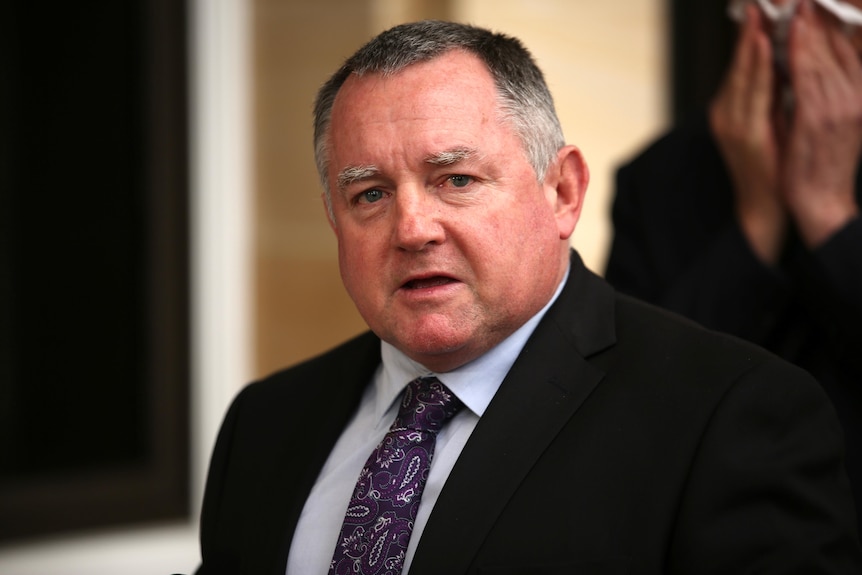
(447, 242)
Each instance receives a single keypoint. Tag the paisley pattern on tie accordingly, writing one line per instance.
(379, 518)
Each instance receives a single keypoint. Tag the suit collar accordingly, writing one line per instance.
(585, 310)
(545, 387)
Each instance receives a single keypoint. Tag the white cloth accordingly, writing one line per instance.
(844, 11)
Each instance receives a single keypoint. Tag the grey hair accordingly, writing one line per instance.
(525, 100)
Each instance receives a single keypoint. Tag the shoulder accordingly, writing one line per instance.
(352, 361)
(691, 360)
(722, 393)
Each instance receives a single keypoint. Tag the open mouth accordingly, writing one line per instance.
(425, 283)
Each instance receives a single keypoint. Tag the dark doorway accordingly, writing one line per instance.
(93, 265)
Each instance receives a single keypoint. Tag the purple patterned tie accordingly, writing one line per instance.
(379, 518)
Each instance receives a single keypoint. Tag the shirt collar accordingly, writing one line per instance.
(475, 383)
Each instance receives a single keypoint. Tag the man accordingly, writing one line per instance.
(748, 221)
(591, 433)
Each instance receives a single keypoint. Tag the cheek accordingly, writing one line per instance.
(523, 230)
(349, 262)
(361, 261)
(522, 243)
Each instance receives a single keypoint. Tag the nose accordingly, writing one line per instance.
(417, 220)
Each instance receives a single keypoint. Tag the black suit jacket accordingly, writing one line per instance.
(623, 440)
(677, 244)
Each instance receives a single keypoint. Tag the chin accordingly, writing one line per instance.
(431, 350)
(444, 353)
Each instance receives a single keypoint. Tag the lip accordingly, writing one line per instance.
(427, 282)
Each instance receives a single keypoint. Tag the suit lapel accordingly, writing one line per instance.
(547, 384)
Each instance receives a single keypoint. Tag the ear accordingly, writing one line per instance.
(566, 185)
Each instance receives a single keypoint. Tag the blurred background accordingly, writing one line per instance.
(163, 241)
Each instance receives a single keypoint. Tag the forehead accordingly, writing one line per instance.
(450, 96)
(455, 71)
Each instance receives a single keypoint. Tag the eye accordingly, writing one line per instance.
(370, 196)
(460, 181)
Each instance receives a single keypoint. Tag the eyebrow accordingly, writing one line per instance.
(352, 174)
(449, 157)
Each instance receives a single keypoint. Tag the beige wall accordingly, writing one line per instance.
(603, 61)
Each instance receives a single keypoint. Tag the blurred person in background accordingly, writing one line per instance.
(747, 218)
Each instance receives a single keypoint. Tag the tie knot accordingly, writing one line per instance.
(426, 406)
